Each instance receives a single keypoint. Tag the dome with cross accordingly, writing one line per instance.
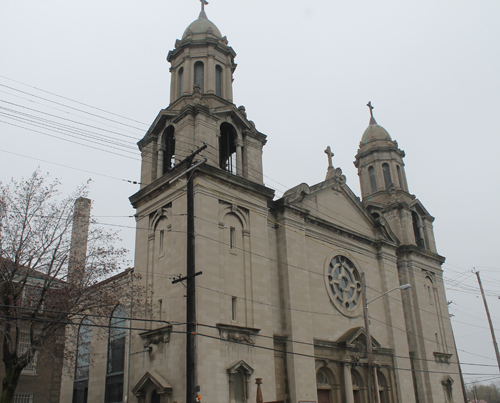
(202, 26)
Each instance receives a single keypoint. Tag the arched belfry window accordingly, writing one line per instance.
(168, 142)
(373, 181)
(199, 75)
(387, 176)
(218, 80)
(180, 81)
(81, 383)
(227, 148)
(417, 230)
(116, 356)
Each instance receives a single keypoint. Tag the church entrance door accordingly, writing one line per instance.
(323, 396)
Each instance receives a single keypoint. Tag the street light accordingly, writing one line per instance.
(372, 384)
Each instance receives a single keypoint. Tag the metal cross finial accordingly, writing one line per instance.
(203, 4)
(369, 105)
(328, 152)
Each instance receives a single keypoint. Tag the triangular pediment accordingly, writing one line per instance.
(151, 380)
(334, 202)
(355, 338)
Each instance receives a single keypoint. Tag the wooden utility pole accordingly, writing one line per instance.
(191, 283)
(495, 345)
(372, 385)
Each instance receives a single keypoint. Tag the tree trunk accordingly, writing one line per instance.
(9, 382)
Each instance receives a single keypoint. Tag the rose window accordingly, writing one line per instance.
(344, 285)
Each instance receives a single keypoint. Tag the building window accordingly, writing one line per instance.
(116, 356)
(232, 238)
(447, 383)
(23, 398)
(168, 144)
(218, 81)
(400, 177)
(387, 176)
(81, 383)
(162, 241)
(180, 81)
(25, 346)
(343, 283)
(234, 308)
(199, 75)
(239, 377)
(373, 181)
(383, 388)
(227, 148)
(357, 386)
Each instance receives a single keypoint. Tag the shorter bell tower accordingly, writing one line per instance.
(384, 188)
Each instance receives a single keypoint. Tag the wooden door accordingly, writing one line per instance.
(323, 396)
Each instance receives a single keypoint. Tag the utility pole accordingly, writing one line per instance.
(495, 345)
(372, 393)
(191, 283)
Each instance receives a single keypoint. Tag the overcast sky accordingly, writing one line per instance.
(306, 70)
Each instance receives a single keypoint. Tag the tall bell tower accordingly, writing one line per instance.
(201, 110)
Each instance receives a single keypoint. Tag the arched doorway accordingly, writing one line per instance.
(325, 382)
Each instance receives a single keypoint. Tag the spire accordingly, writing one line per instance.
(203, 14)
(372, 119)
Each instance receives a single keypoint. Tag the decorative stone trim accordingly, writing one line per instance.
(155, 336)
(238, 334)
(442, 358)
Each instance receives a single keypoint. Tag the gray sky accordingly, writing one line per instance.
(306, 70)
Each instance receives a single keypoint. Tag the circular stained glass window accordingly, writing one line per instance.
(344, 286)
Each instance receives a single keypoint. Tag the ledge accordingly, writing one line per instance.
(155, 336)
(237, 334)
(442, 358)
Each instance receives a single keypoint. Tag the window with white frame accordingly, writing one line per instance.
(24, 346)
(23, 398)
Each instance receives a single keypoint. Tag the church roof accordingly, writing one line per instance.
(202, 26)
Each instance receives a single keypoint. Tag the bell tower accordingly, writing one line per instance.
(384, 188)
(202, 111)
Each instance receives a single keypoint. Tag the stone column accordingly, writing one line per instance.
(210, 76)
(188, 77)
(173, 84)
(159, 166)
(349, 395)
(376, 388)
(239, 161)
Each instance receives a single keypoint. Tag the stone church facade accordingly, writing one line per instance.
(280, 296)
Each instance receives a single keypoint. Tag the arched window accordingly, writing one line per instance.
(199, 75)
(417, 230)
(373, 181)
(383, 388)
(180, 81)
(227, 148)
(168, 142)
(218, 80)
(116, 356)
(81, 383)
(387, 176)
(400, 177)
(325, 382)
(357, 386)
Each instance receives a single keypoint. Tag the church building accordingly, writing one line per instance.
(285, 284)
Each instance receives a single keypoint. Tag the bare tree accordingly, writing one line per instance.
(43, 287)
